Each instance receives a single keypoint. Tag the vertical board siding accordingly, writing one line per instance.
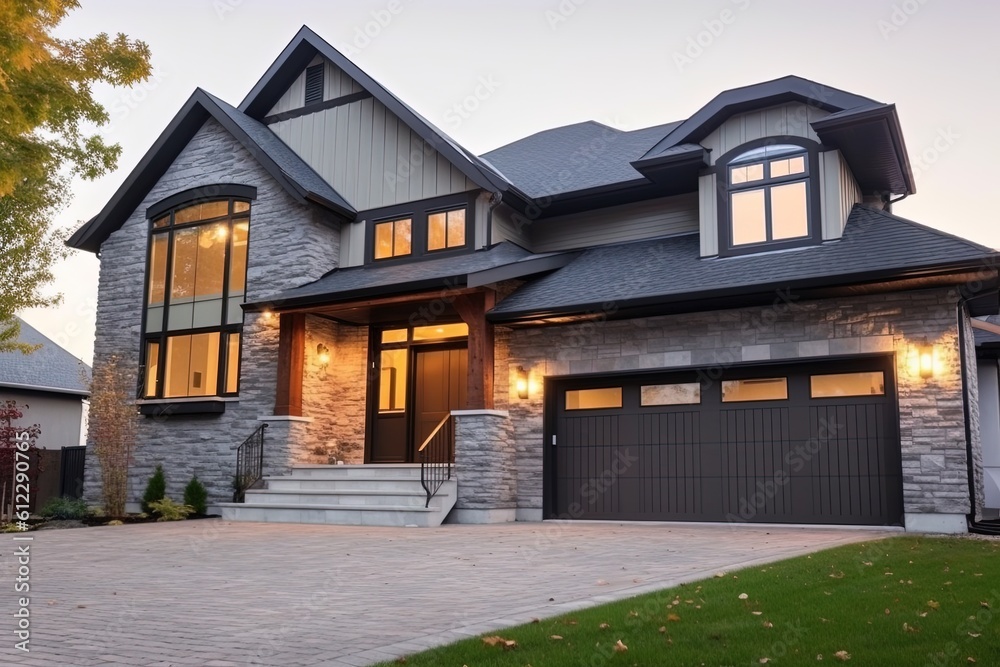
(631, 222)
(791, 119)
(708, 215)
(335, 84)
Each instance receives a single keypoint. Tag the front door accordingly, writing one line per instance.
(440, 380)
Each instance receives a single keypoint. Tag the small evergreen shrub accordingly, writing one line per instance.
(169, 510)
(64, 508)
(196, 496)
(156, 490)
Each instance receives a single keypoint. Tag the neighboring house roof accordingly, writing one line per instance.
(667, 274)
(987, 339)
(369, 281)
(49, 368)
(287, 168)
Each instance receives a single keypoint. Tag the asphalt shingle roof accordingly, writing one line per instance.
(49, 367)
(574, 157)
(987, 337)
(670, 269)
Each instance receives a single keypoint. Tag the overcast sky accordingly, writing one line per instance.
(629, 64)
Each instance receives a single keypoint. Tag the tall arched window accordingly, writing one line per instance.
(196, 281)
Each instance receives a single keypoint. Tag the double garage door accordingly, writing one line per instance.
(807, 443)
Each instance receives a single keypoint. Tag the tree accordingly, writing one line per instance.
(13, 439)
(113, 423)
(46, 137)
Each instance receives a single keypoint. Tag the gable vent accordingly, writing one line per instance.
(314, 84)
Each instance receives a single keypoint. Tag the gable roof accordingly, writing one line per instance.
(49, 368)
(667, 275)
(287, 168)
(306, 45)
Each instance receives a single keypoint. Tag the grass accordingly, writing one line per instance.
(901, 601)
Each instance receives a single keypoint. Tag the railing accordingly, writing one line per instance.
(436, 456)
(249, 464)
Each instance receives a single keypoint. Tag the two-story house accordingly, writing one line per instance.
(714, 319)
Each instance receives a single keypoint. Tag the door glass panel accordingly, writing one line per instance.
(789, 213)
(392, 381)
(440, 331)
(749, 219)
(847, 384)
(754, 389)
(687, 393)
(594, 399)
(394, 336)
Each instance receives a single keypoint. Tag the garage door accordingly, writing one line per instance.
(813, 443)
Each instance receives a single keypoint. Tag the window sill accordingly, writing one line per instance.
(168, 407)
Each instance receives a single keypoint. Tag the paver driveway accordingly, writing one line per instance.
(214, 593)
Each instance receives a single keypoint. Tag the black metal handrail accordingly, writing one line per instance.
(436, 456)
(249, 464)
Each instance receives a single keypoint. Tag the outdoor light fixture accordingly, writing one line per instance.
(522, 382)
(925, 355)
(323, 355)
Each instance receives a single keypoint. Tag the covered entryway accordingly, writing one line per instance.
(806, 443)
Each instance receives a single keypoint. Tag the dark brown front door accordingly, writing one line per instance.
(440, 381)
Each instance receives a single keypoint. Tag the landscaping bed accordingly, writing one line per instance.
(899, 601)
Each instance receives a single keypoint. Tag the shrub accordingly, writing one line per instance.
(196, 496)
(169, 510)
(64, 508)
(112, 429)
(156, 489)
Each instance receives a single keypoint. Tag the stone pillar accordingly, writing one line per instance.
(485, 467)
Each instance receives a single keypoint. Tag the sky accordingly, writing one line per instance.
(491, 72)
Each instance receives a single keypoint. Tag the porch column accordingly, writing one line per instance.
(291, 355)
(472, 309)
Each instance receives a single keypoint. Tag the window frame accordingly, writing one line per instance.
(811, 178)
(419, 213)
(169, 206)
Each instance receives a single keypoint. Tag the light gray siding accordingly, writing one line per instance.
(708, 215)
(508, 227)
(59, 415)
(839, 193)
(335, 84)
(791, 119)
(630, 222)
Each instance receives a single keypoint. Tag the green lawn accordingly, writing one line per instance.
(901, 601)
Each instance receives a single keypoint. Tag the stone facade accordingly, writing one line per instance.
(485, 466)
(290, 244)
(931, 411)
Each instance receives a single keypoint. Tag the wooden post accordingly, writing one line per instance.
(472, 309)
(291, 355)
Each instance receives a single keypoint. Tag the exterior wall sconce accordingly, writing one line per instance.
(323, 355)
(925, 357)
(522, 382)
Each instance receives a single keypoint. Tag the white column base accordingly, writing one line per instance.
(951, 524)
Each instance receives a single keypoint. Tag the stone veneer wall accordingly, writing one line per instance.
(932, 428)
(290, 244)
(972, 401)
(485, 467)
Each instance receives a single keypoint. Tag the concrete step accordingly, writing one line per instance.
(379, 471)
(296, 483)
(341, 515)
(362, 497)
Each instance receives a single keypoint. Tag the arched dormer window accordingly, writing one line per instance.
(770, 198)
(195, 283)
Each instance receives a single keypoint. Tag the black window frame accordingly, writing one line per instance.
(418, 212)
(722, 170)
(227, 192)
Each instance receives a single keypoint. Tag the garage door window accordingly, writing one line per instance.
(688, 393)
(754, 389)
(847, 384)
(594, 399)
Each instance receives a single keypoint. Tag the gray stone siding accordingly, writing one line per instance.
(932, 428)
(290, 244)
(485, 461)
(972, 401)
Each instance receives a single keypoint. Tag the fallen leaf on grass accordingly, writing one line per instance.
(536, 620)
(673, 618)
(933, 604)
(764, 661)
(744, 596)
(970, 659)
(909, 628)
(768, 624)
(887, 612)
(633, 614)
(756, 613)
(604, 626)
(495, 640)
(974, 635)
(984, 605)
(843, 656)
(836, 575)
(663, 629)
(619, 647)
(557, 637)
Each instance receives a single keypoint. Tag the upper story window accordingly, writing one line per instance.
(420, 229)
(196, 281)
(769, 198)
(446, 229)
(393, 238)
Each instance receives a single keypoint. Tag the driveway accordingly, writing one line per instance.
(213, 594)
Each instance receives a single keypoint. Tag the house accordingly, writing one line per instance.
(714, 319)
(50, 386)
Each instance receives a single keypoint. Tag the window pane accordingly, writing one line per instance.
(688, 393)
(234, 314)
(240, 206)
(383, 240)
(162, 221)
(238, 260)
(847, 384)
(789, 213)
(232, 363)
(394, 336)
(211, 267)
(765, 152)
(436, 231)
(192, 365)
(154, 320)
(203, 211)
(207, 314)
(401, 238)
(754, 389)
(180, 316)
(392, 381)
(184, 270)
(795, 165)
(748, 219)
(441, 331)
(157, 269)
(456, 228)
(594, 399)
(751, 172)
(152, 368)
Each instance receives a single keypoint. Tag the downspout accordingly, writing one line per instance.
(889, 202)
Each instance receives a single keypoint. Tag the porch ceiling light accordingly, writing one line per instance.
(522, 382)
(925, 356)
(323, 355)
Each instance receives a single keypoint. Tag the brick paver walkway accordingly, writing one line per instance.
(215, 594)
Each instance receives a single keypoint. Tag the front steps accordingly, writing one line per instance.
(346, 495)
